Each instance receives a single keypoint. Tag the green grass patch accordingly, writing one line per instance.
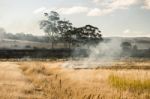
(129, 84)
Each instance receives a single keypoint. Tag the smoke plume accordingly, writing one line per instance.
(2, 33)
(101, 54)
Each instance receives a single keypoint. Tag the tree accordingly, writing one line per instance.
(126, 46)
(63, 30)
(88, 34)
(50, 25)
(135, 48)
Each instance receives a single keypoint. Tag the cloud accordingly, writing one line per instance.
(73, 10)
(109, 6)
(98, 1)
(65, 11)
(146, 4)
(121, 4)
(105, 7)
(127, 31)
(39, 10)
(133, 33)
(116, 3)
(99, 12)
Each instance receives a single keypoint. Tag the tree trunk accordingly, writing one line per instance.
(52, 40)
(52, 45)
(69, 45)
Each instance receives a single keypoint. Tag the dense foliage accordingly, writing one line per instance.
(63, 30)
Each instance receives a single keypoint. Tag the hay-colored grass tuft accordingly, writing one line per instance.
(128, 83)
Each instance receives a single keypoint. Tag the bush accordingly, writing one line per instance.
(27, 46)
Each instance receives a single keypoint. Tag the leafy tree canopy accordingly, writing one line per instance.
(64, 30)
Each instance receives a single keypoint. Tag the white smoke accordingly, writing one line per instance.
(2, 33)
(100, 55)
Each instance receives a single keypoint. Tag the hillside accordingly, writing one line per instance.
(141, 42)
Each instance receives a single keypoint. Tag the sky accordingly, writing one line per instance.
(126, 18)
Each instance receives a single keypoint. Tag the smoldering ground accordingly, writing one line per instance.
(102, 54)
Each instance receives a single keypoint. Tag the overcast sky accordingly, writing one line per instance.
(112, 17)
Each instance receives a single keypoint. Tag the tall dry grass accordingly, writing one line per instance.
(13, 84)
(53, 82)
(129, 84)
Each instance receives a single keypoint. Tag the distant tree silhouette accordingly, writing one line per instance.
(126, 46)
(135, 48)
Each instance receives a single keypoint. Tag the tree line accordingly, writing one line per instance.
(63, 30)
(22, 36)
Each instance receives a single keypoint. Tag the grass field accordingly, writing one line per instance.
(126, 79)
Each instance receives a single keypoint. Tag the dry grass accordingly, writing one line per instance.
(129, 84)
(50, 81)
(60, 83)
(13, 84)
